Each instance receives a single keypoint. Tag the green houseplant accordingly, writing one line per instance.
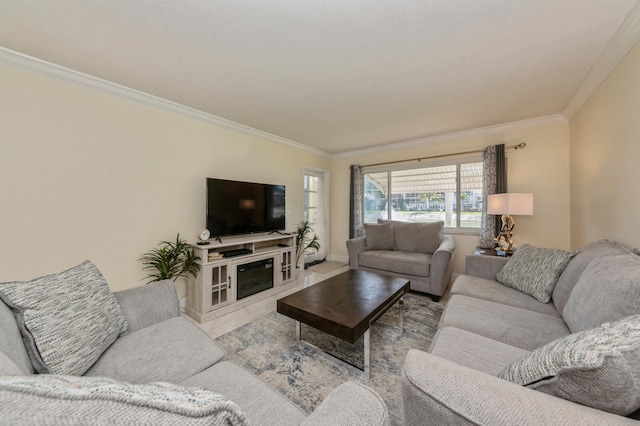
(171, 260)
(303, 241)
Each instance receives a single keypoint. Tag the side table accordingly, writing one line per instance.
(490, 252)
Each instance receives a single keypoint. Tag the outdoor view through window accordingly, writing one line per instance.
(451, 193)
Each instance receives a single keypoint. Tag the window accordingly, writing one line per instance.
(315, 211)
(450, 192)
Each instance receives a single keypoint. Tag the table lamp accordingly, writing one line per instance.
(509, 204)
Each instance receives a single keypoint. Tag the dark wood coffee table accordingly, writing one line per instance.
(345, 306)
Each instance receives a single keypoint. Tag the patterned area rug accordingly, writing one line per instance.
(268, 348)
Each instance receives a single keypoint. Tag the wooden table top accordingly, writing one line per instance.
(343, 305)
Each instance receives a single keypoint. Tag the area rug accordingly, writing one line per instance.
(268, 348)
(325, 267)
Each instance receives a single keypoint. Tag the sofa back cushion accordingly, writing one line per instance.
(418, 237)
(608, 289)
(379, 236)
(8, 367)
(11, 344)
(571, 274)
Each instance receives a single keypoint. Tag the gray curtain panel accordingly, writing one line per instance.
(356, 225)
(494, 175)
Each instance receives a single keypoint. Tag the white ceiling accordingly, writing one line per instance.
(336, 75)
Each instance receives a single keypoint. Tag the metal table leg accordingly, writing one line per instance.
(367, 355)
(401, 314)
(367, 341)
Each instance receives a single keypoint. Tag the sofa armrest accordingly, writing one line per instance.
(484, 266)
(355, 246)
(351, 403)
(149, 304)
(444, 392)
(440, 270)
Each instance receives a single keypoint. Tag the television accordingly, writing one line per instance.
(237, 208)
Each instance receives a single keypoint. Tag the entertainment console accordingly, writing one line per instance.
(239, 271)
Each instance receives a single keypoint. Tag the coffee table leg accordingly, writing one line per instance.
(401, 315)
(298, 331)
(367, 355)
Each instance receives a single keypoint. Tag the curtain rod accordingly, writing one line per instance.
(520, 145)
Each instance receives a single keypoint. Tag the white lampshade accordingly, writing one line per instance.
(510, 204)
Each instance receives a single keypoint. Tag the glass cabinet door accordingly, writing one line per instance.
(219, 286)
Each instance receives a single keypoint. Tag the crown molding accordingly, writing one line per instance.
(548, 120)
(38, 66)
(618, 47)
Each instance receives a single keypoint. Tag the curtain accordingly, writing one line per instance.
(494, 175)
(356, 195)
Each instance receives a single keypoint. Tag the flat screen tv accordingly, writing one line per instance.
(236, 208)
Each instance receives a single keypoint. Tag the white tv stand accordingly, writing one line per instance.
(214, 291)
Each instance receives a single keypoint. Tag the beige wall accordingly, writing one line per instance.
(540, 168)
(85, 175)
(605, 160)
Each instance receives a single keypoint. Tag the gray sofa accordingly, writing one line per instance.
(159, 346)
(419, 252)
(488, 329)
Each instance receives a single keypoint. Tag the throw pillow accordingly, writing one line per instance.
(599, 367)
(100, 400)
(418, 237)
(67, 320)
(534, 270)
(379, 236)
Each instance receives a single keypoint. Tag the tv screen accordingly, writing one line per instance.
(235, 208)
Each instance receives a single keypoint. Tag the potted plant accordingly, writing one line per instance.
(303, 241)
(171, 260)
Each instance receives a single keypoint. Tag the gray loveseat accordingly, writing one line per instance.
(419, 252)
(489, 330)
(159, 346)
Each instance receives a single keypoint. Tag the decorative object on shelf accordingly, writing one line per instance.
(203, 236)
(303, 241)
(171, 260)
(508, 204)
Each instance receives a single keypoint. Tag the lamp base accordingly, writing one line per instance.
(504, 239)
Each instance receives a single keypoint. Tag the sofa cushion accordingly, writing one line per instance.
(534, 270)
(8, 367)
(418, 237)
(379, 236)
(571, 274)
(608, 290)
(493, 291)
(260, 402)
(11, 343)
(169, 351)
(473, 350)
(506, 324)
(67, 320)
(599, 367)
(400, 262)
(53, 399)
